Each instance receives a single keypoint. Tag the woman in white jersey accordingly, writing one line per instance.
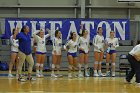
(56, 53)
(83, 51)
(134, 60)
(98, 43)
(40, 51)
(71, 47)
(14, 53)
(111, 43)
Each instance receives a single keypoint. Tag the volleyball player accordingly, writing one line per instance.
(14, 54)
(56, 53)
(40, 51)
(24, 52)
(134, 60)
(98, 43)
(71, 47)
(111, 43)
(83, 52)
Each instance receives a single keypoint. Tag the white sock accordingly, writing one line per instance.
(95, 71)
(79, 67)
(86, 66)
(53, 67)
(41, 71)
(37, 71)
(107, 71)
(37, 65)
(9, 71)
(58, 67)
(99, 71)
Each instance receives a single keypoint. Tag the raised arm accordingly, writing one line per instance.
(49, 33)
(15, 36)
(35, 36)
(81, 28)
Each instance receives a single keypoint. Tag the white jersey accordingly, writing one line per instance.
(72, 46)
(98, 43)
(41, 46)
(112, 42)
(57, 45)
(135, 51)
(84, 44)
(14, 44)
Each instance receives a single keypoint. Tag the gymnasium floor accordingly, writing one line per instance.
(62, 85)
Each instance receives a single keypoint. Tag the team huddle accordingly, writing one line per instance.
(21, 51)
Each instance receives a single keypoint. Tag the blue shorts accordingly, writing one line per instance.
(72, 54)
(112, 51)
(80, 52)
(40, 52)
(14, 52)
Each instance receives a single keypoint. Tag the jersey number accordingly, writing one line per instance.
(43, 42)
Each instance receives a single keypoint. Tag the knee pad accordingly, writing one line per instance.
(70, 66)
(37, 64)
(41, 65)
(96, 62)
(100, 63)
(113, 64)
(80, 65)
(107, 64)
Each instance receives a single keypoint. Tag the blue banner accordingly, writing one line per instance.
(67, 25)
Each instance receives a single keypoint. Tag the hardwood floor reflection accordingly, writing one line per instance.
(47, 84)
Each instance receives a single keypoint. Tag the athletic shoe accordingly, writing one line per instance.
(96, 75)
(31, 79)
(59, 75)
(80, 75)
(41, 75)
(126, 81)
(10, 76)
(53, 76)
(75, 75)
(38, 75)
(108, 73)
(21, 79)
(86, 74)
(113, 74)
(101, 75)
(69, 75)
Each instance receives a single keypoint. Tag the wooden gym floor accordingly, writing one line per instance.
(63, 85)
